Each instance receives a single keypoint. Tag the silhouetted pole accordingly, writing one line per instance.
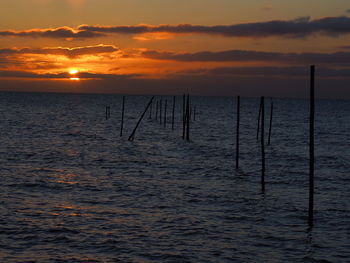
(122, 121)
(312, 145)
(150, 112)
(183, 116)
(262, 144)
(188, 118)
(160, 112)
(173, 115)
(157, 106)
(194, 113)
(132, 135)
(108, 112)
(237, 131)
(270, 128)
(257, 132)
(165, 109)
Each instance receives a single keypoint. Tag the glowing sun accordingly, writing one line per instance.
(72, 72)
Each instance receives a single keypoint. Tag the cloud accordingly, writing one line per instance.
(322, 72)
(300, 27)
(229, 55)
(208, 84)
(247, 55)
(63, 51)
(261, 71)
(347, 11)
(61, 32)
(63, 75)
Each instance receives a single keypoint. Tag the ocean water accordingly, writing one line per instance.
(73, 190)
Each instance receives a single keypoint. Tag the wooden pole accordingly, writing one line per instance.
(237, 131)
(122, 121)
(173, 115)
(165, 110)
(108, 112)
(262, 144)
(194, 113)
(188, 118)
(160, 112)
(183, 116)
(150, 112)
(270, 128)
(312, 145)
(257, 132)
(157, 106)
(191, 113)
(132, 135)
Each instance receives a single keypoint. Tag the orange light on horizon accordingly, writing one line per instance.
(75, 79)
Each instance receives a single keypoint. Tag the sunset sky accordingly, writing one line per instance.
(204, 47)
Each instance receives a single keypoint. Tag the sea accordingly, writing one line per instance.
(73, 190)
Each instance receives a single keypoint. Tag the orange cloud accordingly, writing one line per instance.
(63, 51)
(60, 32)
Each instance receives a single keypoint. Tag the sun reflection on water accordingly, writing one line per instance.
(68, 178)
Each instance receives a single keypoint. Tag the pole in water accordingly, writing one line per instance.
(122, 121)
(194, 113)
(160, 112)
(183, 116)
(165, 109)
(188, 118)
(191, 113)
(132, 135)
(157, 106)
(108, 112)
(270, 128)
(312, 145)
(257, 132)
(262, 144)
(237, 131)
(173, 115)
(150, 112)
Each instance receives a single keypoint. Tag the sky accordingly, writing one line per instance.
(201, 47)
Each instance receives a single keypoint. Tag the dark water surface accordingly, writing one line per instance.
(72, 190)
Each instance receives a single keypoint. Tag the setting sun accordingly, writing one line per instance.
(73, 71)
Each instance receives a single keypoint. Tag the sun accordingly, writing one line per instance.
(73, 71)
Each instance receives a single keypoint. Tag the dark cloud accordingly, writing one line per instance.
(301, 27)
(209, 84)
(62, 75)
(280, 72)
(247, 55)
(61, 32)
(64, 51)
